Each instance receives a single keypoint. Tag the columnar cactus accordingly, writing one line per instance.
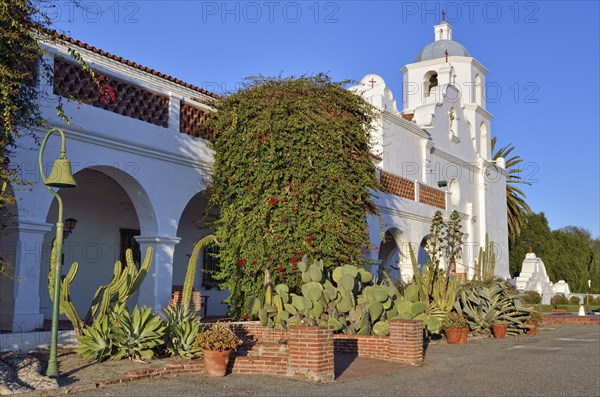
(66, 306)
(487, 262)
(190, 275)
(125, 282)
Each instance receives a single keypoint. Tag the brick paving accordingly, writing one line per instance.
(350, 367)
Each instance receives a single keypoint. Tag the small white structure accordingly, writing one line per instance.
(562, 287)
(533, 277)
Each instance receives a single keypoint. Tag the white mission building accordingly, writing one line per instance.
(141, 176)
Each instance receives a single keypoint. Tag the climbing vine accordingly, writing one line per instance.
(293, 176)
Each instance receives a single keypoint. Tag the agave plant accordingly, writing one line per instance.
(182, 327)
(139, 334)
(483, 306)
(96, 342)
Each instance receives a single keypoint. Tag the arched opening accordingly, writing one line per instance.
(8, 244)
(111, 208)
(478, 94)
(390, 253)
(484, 141)
(191, 228)
(472, 135)
(430, 81)
(423, 256)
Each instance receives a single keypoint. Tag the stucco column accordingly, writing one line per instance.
(174, 112)
(471, 250)
(27, 239)
(155, 291)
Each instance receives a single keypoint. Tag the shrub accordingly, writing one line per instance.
(454, 320)
(293, 176)
(559, 299)
(218, 337)
(537, 318)
(574, 300)
(531, 297)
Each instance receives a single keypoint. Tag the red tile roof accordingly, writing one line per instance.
(146, 69)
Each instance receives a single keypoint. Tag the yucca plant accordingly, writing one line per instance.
(139, 334)
(96, 342)
(182, 327)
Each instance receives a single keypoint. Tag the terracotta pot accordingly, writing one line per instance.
(500, 330)
(456, 336)
(215, 362)
(464, 336)
(532, 330)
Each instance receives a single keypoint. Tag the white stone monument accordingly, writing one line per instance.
(533, 277)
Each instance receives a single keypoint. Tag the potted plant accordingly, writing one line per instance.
(499, 329)
(456, 329)
(217, 343)
(535, 321)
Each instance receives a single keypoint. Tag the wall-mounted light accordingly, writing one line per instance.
(442, 183)
(70, 224)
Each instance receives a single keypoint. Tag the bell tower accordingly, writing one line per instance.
(446, 62)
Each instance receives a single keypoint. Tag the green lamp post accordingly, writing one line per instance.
(60, 177)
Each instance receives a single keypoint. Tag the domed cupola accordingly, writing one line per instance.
(441, 64)
(442, 46)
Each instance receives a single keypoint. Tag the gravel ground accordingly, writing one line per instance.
(563, 361)
(73, 370)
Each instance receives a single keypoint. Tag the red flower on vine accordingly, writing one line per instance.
(241, 262)
(281, 271)
(273, 201)
(106, 92)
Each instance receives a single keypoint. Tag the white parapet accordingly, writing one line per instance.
(25, 341)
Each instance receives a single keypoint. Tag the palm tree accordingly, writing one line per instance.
(517, 208)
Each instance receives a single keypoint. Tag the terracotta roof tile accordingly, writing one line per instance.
(88, 47)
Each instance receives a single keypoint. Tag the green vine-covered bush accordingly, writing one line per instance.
(292, 176)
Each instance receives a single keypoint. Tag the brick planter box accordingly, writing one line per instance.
(555, 319)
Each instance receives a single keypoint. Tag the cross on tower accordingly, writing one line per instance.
(372, 81)
(443, 15)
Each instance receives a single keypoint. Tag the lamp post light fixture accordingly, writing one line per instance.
(61, 176)
(69, 226)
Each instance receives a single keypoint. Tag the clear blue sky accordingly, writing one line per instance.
(542, 55)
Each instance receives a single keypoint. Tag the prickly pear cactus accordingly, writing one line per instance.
(345, 300)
